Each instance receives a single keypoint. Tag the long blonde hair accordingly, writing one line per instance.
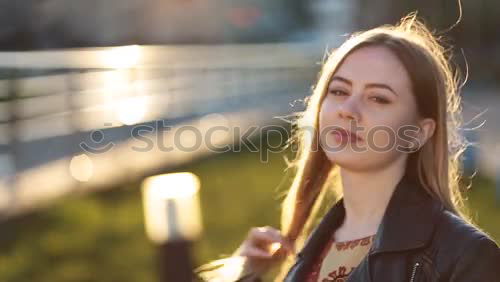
(437, 164)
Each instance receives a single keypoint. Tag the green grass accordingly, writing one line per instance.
(100, 237)
(484, 209)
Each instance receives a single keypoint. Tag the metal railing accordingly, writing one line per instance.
(52, 102)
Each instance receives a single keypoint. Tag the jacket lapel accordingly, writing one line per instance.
(409, 219)
(408, 223)
(316, 241)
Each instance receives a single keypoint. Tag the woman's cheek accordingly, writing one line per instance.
(381, 138)
(326, 115)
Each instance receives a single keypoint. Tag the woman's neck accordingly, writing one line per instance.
(366, 196)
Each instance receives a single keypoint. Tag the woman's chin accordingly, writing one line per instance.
(355, 161)
(345, 159)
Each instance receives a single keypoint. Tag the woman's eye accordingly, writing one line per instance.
(380, 100)
(337, 92)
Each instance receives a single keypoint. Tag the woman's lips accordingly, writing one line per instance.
(341, 135)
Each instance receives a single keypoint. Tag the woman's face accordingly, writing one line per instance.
(370, 95)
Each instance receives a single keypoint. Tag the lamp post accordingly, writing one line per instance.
(173, 221)
(497, 177)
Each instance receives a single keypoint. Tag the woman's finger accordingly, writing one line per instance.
(269, 235)
(255, 253)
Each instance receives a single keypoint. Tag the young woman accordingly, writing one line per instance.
(380, 131)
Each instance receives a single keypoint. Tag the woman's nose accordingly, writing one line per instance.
(349, 110)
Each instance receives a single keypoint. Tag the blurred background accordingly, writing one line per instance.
(93, 92)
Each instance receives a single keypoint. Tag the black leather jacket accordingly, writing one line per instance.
(417, 240)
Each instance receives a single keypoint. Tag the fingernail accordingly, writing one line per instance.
(274, 247)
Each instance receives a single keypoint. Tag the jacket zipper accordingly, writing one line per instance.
(414, 271)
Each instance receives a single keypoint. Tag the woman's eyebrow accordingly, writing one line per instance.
(369, 85)
(381, 85)
(339, 78)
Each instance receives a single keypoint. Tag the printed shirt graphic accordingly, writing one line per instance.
(339, 259)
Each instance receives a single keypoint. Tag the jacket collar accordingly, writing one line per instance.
(408, 221)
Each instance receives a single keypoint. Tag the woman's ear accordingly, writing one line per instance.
(427, 128)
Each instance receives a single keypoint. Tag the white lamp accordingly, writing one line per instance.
(172, 221)
(171, 207)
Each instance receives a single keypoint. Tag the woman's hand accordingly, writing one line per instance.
(263, 248)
